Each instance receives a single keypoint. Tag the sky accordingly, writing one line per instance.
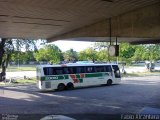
(75, 45)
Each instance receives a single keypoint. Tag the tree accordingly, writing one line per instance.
(88, 54)
(126, 52)
(101, 45)
(151, 52)
(70, 55)
(146, 52)
(22, 57)
(138, 54)
(7, 46)
(49, 53)
(102, 55)
(82, 56)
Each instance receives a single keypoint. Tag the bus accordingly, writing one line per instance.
(69, 76)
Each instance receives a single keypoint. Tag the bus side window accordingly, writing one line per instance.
(48, 71)
(80, 70)
(90, 69)
(54, 71)
(66, 70)
(58, 71)
(108, 68)
(69, 70)
(73, 70)
(99, 69)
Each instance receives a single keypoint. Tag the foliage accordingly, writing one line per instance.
(88, 54)
(138, 54)
(102, 52)
(22, 57)
(70, 55)
(102, 55)
(49, 53)
(152, 52)
(101, 45)
(127, 52)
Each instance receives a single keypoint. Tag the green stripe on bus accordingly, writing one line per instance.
(42, 78)
(66, 76)
(62, 77)
(80, 80)
(78, 76)
(94, 75)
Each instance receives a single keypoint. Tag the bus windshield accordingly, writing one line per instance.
(116, 71)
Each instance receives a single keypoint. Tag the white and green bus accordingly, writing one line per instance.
(68, 76)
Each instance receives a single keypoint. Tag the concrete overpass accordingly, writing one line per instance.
(134, 21)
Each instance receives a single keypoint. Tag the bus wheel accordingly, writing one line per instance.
(109, 82)
(70, 86)
(61, 87)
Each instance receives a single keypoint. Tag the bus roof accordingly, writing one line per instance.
(75, 64)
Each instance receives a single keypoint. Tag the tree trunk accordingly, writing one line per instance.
(2, 51)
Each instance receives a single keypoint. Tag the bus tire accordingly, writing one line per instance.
(109, 82)
(70, 86)
(61, 87)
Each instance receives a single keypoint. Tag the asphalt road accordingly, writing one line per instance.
(131, 96)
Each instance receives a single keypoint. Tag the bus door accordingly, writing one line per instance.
(109, 71)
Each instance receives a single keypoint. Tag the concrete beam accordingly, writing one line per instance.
(140, 23)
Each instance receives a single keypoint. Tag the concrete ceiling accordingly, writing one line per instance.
(46, 19)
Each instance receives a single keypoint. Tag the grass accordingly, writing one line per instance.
(2, 83)
(21, 68)
(20, 81)
(24, 81)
